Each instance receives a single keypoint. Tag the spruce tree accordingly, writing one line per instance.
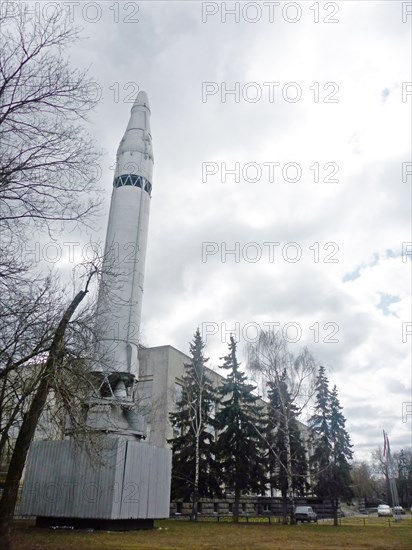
(341, 449)
(239, 450)
(332, 447)
(193, 463)
(319, 423)
(404, 481)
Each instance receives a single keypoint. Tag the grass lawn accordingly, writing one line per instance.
(186, 535)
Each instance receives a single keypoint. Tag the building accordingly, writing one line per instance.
(160, 384)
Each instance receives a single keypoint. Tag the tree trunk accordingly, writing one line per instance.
(13, 416)
(18, 460)
(197, 461)
(6, 428)
(284, 508)
(289, 473)
(335, 512)
(29, 424)
(236, 506)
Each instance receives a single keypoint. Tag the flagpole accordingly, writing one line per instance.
(391, 474)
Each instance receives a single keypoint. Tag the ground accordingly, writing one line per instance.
(373, 533)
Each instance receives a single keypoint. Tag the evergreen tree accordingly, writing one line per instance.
(404, 481)
(341, 445)
(239, 450)
(193, 463)
(319, 423)
(332, 447)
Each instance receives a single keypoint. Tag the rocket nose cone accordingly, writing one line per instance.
(142, 100)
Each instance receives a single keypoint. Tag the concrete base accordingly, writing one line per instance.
(96, 524)
(126, 487)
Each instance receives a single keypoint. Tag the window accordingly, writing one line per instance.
(178, 394)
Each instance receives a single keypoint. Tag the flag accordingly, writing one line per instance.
(386, 447)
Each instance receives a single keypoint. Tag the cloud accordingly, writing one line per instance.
(360, 61)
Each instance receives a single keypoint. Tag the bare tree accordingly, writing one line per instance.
(48, 160)
(48, 178)
(399, 467)
(380, 467)
(50, 374)
(26, 323)
(364, 485)
(274, 366)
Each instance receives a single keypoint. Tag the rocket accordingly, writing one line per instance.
(120, 458)
(121, 287)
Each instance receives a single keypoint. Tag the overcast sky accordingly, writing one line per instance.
(329, 136)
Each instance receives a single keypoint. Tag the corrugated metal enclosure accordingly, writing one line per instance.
(129, 480)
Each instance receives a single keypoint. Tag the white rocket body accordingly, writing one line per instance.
(121, 288)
